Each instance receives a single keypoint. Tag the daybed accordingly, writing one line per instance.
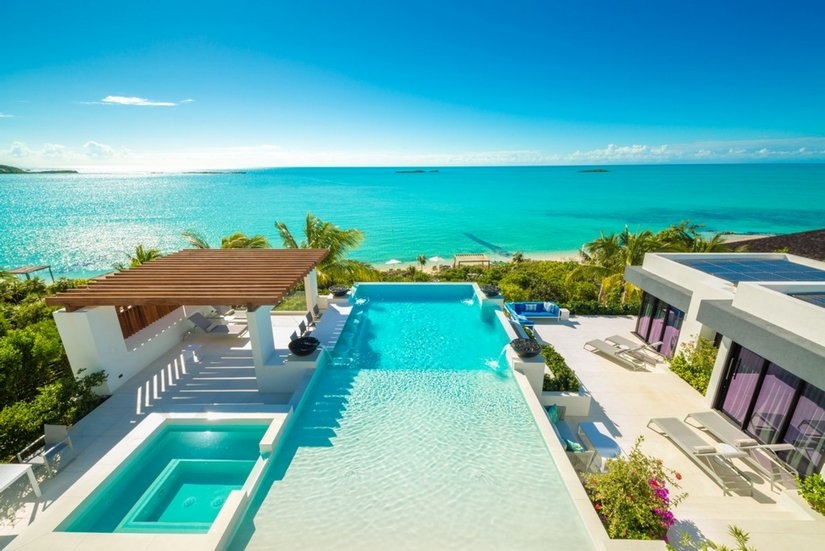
(526, 312)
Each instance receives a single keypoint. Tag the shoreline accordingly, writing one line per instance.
(560, 256)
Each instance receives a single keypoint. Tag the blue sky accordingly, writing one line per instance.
(207, 84)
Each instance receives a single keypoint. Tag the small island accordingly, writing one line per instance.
(416, 171)
(6, 169)
(594, 170)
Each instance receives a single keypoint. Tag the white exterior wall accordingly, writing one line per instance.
(703, 287)
(94, 342)
(770, 302)
(311, 289)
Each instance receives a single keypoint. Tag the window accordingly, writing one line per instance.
(806, 431)
(775, 406)
(772, 404)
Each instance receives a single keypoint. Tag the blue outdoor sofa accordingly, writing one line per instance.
(526, 312)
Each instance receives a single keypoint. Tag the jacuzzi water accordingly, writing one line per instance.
(177, 483)
(414, 437)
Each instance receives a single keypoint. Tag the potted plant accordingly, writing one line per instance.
(490, 290)
(304, 346)
(339, 290)
(526, 348)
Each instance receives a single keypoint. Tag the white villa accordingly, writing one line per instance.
(766, 313)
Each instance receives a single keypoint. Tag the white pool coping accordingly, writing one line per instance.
(44, 533)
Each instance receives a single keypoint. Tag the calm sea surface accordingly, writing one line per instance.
(81, 224)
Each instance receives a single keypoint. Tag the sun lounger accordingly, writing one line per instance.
(639, 350)
(213, 328)
(713, 459)
(761, 456)
(615, 353)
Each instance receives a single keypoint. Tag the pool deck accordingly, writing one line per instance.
(208, 374)
(625, 400)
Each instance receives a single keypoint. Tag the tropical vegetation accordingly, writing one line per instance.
(36, 383)
(812, 488)
(563, 378)
(235, 240)
(635, 495)
(336, 268)
(141, 255)
(694, 363)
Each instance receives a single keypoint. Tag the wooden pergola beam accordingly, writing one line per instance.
(200, 276)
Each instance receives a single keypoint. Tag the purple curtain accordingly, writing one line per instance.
(645, 315)
(658, 323)
(672, 329)
(772, 404)
(806, 431)
(746, 369)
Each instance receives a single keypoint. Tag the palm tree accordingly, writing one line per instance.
(242, 241)
(141, 255)
(604, 260)
(326, 235)
(422, 260)
(236, 240)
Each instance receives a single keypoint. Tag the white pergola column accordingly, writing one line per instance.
(261, 337)
(311, 289)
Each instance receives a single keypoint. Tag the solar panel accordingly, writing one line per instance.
(736, 270)
(814, 298)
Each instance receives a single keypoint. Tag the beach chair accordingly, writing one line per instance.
(207, 326)
(52, 450)
(639, 350)
(615, 353)
(762, 457)
(713, 459)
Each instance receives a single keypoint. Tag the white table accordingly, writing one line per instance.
(10, 472)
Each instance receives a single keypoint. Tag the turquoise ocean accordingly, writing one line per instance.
(81, 224)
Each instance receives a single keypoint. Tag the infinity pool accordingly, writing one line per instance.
(413, 436)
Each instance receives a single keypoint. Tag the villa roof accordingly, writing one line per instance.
(810, 244)
(200, 276)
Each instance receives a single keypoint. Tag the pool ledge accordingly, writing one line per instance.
(588, 515)
(44, 534)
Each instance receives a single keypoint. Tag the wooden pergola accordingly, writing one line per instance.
(251, 277)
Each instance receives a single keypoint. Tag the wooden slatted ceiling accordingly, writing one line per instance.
(200, 276)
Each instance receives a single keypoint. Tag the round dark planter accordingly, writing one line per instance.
(490, 290)
(339, 290)
(526, 348)
(303, 346)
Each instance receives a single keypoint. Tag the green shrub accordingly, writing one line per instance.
(812, 488)
(63, 402)
(694, 363)
(564, 379)
(632, 497)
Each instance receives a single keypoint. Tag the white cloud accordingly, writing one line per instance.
(6, 116)
(54, 151)
(134, 100)
(188, 100)
(97, 150)
(19, 150)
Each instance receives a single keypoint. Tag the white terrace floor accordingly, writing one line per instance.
(222, 379)
(626, 400)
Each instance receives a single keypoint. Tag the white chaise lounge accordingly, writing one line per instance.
(615, 353)
(760, 456)
(713, 459)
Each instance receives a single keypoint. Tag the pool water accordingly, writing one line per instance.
(413, 437)
(178, 483)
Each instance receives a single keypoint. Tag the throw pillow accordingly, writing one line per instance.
(574, 446)
(553, 413)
